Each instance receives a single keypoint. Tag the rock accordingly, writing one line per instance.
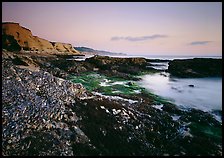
(66, 120)
(10, 43)
(77, 69)
(18, 61)
(130, 83)
(16, 37)
(191, 85)
(108, 61)
(36, 116)
(64, 47)
(197, 67)
(117, 66)
(95, 69)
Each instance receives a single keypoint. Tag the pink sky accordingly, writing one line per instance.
(132, 28)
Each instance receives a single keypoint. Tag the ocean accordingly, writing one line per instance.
(167, 57)
(205, 94)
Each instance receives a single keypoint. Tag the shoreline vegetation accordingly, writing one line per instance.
(55, 106)
(94, 107)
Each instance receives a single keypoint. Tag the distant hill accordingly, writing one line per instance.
(90, 51)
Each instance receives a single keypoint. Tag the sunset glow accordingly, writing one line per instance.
(132, 28)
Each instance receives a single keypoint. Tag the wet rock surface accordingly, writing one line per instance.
(145, 128)
(36, 112)
(43, 114)
(197, 67)
(120, 67)
(59, 66)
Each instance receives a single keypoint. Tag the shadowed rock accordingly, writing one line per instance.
(9, 43)
(197, 67)
(122, 67)
(44, 115)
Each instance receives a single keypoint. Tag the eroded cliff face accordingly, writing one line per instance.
(16, 37)
(64, 47)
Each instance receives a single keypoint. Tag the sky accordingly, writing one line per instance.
(146, 28)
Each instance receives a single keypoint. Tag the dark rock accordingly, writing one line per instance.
(40, 104)
(191, 85)
(120, 67)
(163, 74)
(65, 56)
(105, 60)
(197, 67)
(157, 60)
(19, 61)
(9, 43)
(126, 65)
(77, 69)
(45, 115)
(130, 83)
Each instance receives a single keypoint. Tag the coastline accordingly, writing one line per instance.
(169, 57)
(131, 119)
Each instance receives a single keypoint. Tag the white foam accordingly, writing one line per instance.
(104, 84)
(116, 92)
(175, 117)
(137, 91)
(119, 83)
(116, 98)
(158, 106)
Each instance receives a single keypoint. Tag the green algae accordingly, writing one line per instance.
(106, 85)
(208, 131)
(93, 82)
(89, 80)
(112, 86)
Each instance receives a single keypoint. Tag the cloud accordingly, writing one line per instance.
(116, 38)
(140, 38)
(199, 43)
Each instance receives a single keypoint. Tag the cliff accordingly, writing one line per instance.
(16, 37)
(64, 47)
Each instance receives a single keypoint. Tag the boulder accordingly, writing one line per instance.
(106, 60)
(120, 64)
(197, 67)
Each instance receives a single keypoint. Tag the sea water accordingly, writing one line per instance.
(200, 93)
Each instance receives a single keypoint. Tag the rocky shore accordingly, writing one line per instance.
(197, 67)
(43, 113)
(37, 114)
